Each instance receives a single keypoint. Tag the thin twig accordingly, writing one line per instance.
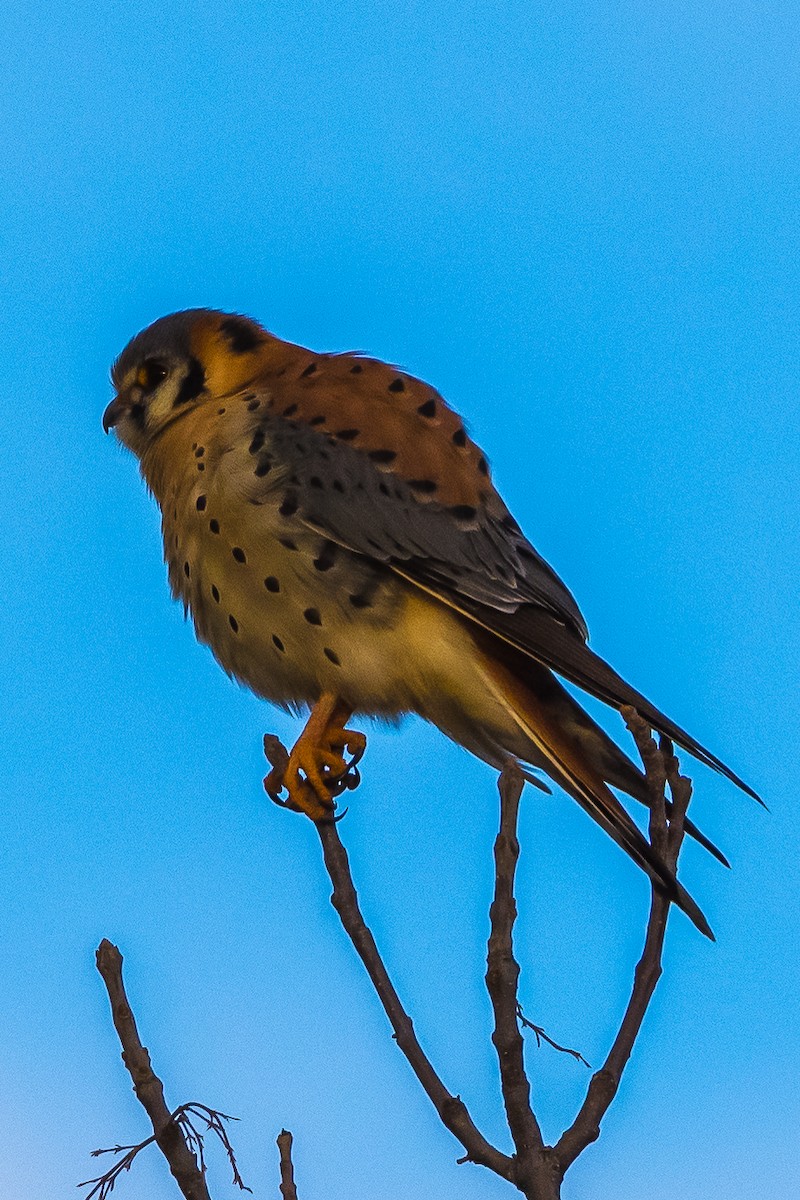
(451, 1109)
(288, 1189)
(502, 977)
(184, 1116)
(104, 1184)
(666, 835)
(541, 1036)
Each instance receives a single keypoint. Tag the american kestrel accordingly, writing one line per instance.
(336, 536)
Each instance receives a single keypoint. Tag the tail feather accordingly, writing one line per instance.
(610, 762)
(538, 634)
(568, 767)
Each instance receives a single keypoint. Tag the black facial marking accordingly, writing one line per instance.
(312, 616)
(290, 505)
(347, 435)
(192, 385)
(234, 624)
(357, 369)
(460, 437)
(319, 420)
(213, 525)
(383, 489)
(242, 335)
(257, 442)
(360, 601)
(215, 592)
(510, 524)
(201, 503)
(136, 414)
(201, 466)
(272, 584)
(333, 656)
(239, 554)
(383, 456)
(200, 451)
(220, 412)
(187, 570)
(316, 482)
(290, 410)
(287, 543)
(310, 369)
(278, 643)
(426, 486)
(252, 405)
(338, 486)
(428, 409)
(326, 557)
(464, 512)
(264, 467)
(483, 466)
(397, 385)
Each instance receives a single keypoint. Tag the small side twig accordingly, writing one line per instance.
(288, 1189)
(184, 1116)
(175, 1133)
(541, 1036)
(666, 836)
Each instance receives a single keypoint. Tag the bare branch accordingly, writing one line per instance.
(666, 835)
(288, 1189)
(502, 977)
(175, 1133)
(451, 1109)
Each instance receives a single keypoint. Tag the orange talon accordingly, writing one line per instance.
(317, 770)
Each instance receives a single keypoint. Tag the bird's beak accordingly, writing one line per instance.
(114, 413)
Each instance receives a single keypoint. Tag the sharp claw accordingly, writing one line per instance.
(315, 775)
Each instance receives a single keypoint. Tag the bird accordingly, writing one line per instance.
(336, 537)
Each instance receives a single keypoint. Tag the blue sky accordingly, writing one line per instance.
(579, 222)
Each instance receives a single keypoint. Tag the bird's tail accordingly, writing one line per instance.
(561, 746)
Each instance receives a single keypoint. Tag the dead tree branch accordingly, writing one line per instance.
(535, 1169)
(175, 1133)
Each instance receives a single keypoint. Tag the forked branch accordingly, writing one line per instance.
(536, 1169)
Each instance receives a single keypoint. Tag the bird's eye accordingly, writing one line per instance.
(151, 373)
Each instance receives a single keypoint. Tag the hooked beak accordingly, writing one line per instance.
(114, 413)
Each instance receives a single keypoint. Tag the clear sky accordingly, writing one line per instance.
(580, 222)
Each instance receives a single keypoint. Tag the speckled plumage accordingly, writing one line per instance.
(333, 531)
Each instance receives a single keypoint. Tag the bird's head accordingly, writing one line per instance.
(175, 364)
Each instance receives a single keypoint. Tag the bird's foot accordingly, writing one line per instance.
(322, 763)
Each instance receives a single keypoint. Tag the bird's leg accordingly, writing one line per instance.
(317, 770)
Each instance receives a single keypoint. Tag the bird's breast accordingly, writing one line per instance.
(285, 610)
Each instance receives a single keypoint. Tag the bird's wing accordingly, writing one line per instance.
(370, 467)
(386, 468)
